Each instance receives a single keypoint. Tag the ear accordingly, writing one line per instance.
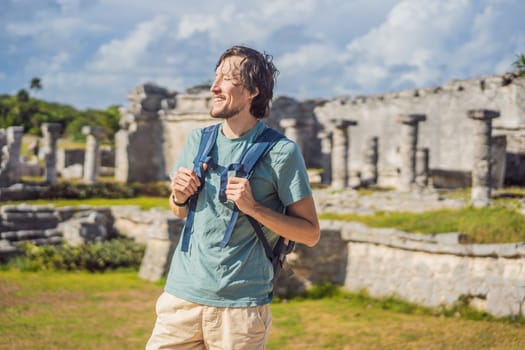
(254, 94)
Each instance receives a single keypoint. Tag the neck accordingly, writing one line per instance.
(236, 127)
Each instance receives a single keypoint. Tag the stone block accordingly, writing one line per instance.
(74, 171)
(25, 235)
(93, 226)
(7, 250)
(157, 258)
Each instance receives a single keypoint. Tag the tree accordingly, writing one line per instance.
(519, 64)
(36, 84)
(22, 96)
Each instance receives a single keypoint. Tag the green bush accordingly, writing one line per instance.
(93, 257)
(70, 190)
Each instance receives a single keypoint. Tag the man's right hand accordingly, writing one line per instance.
(184, 184)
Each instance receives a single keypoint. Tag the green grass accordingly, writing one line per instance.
(115, 310)
(481, 225)
(509, 197)
(145, 203)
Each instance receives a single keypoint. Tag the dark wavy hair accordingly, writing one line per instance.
(257, 72)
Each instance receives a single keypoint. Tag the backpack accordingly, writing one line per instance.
(245, 168)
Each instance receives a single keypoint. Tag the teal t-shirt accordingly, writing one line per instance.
(239, 274)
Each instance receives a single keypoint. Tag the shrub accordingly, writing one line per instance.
(93, 257)
(69, 190)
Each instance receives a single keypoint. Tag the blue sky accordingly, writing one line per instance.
(91, 53)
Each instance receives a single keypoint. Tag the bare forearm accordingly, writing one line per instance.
(299, 224)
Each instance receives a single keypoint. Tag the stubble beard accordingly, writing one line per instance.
(225, 113)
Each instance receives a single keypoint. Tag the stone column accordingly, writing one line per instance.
(10, 155)
(340, 152)
(297, 131)
(92, 156)
(409, 133)
(326, 151)
(422, 160)
(482, 140)
(370, 159)
(51, 132)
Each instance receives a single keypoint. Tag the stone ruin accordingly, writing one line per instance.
(139, 144)
(447, 134)
(409, 140)
(466, 133)
(47, 225)
(10, 143)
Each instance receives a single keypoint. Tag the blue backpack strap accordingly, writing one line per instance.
(256, 151)
(208, 138)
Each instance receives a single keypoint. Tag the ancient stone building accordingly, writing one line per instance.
(190, 110)
(10, 143)
(156, 125)
(447, 133)
(140, 144)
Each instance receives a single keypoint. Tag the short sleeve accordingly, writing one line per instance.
(290, 171)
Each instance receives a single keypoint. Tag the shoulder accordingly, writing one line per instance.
(195, 135)
(285, 151)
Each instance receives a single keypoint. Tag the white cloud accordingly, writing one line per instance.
(194, 23)
(126, 54)
(48, 67)
(94, 52)
(2, 75)
(408, 47)
(308, 57)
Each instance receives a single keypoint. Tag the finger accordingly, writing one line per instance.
(185, 183)
(236, 180)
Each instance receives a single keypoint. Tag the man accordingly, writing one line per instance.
(217, 297)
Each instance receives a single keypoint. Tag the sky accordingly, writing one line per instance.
(92, 53)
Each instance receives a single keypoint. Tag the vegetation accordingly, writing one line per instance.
(100, 256)
(519, 64)
(481, 225)
(29, 112)
(114, 310)
(101, 190)
(145, 203)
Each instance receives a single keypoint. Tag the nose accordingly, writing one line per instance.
(215, 86)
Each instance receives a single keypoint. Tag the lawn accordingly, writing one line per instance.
(115, 310)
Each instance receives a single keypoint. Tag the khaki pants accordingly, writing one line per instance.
(185, 325)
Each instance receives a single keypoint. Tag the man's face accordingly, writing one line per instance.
(230, 97)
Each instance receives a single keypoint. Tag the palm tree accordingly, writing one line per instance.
(36, 84)
(519, 64)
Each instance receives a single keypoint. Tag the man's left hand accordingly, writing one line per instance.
(239, 190)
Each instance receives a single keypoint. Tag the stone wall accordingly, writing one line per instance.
(430, 270)
(447, 131)
(47, 225)
(445, 134)
(515, 159)
(435, 270)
